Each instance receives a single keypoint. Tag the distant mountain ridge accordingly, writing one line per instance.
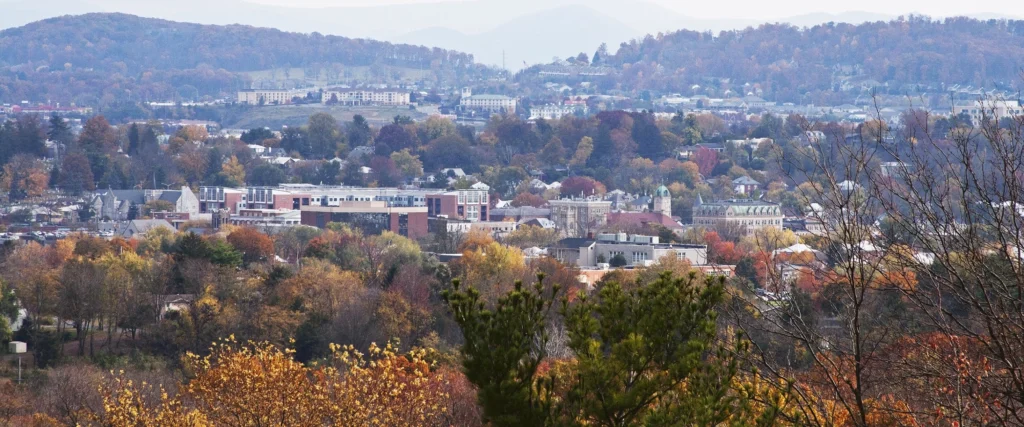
(486, 26)
(143, 43)
(101, 54)
(786, 62)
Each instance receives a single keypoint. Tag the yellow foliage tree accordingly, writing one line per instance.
(233, 171)
(583, 151)
(262, 385)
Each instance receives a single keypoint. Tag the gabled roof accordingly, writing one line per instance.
(643, 218)
(745, 180)
(134, 196)
(143, 226)
(171, 196)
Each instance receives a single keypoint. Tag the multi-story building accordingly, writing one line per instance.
(275, 198)
(469, 205)
(492, 103)
(636, 249)
(266, 219)
(333, 195)
(554, 112)
(493, 228)
(268, 96)
(372, 217)
(221, 198)
(579, 217)
(750, 214)
(345, 96)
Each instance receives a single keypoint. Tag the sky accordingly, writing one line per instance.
(761, 9)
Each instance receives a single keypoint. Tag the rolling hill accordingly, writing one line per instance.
(155, 58)
(787, 62)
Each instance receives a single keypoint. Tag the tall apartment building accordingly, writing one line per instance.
(470, 205)
(365, 97)
(751, 214)
(579, 217)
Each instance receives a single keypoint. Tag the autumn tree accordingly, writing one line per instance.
(583, 152)
(76, 174)
(261, 384)
(254, 245)
(193, 133)
(706, 160)
(232, 173)
(577, 186)
(554, 152)
(408, 164)
(527, 199)
(530, 235)
(24, 176)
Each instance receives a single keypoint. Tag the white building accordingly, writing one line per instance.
(554, 112)
(492, 103)
(269, 96)
(365, 97)
(993, 109)
(636, 249)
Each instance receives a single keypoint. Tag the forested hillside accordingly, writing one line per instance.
(786, 61)
(97, 54)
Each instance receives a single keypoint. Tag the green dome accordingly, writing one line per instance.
(662, 191)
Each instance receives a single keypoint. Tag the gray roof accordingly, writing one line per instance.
(574, 242)
(521, 211)
(170, 196)
(143, 226)
(134, 196)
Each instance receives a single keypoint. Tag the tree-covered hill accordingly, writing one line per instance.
(157, 56)
(787, 62)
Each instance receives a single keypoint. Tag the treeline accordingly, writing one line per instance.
(787, 62)
(68, 58)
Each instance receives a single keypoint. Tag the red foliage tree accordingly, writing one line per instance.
(705, 160)
(585, 185)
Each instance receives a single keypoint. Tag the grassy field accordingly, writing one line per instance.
(296, 115)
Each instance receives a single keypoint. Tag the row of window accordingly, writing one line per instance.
(472, 197)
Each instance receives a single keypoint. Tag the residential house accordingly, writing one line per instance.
(745, 185)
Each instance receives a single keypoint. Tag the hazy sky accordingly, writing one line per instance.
(761, 8)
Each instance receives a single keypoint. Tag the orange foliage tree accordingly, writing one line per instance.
(254, 245)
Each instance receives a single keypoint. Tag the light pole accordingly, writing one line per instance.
(18, 347)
